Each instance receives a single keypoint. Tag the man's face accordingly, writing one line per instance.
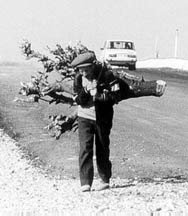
(87, 72)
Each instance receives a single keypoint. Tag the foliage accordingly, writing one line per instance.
(40, 87)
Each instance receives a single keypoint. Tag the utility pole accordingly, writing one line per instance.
(156, 48)
(176, 44)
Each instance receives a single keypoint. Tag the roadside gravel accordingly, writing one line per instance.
(26, 190)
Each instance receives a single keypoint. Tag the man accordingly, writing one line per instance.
(96, 91)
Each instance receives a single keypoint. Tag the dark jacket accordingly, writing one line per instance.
(103, 105)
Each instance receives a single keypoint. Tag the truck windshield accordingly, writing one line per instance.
(120, 45)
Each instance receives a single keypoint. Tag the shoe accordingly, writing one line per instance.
(103, 186)
(85, 188)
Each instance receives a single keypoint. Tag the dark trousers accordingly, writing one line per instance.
(89, 131)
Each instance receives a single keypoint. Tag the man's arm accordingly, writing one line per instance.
(108, 89)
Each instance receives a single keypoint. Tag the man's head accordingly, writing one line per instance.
(86, 64)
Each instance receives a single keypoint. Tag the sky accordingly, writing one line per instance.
(151, 24)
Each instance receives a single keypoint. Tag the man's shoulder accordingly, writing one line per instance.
(108, 75)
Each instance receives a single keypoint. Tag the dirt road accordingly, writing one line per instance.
(149, 137)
